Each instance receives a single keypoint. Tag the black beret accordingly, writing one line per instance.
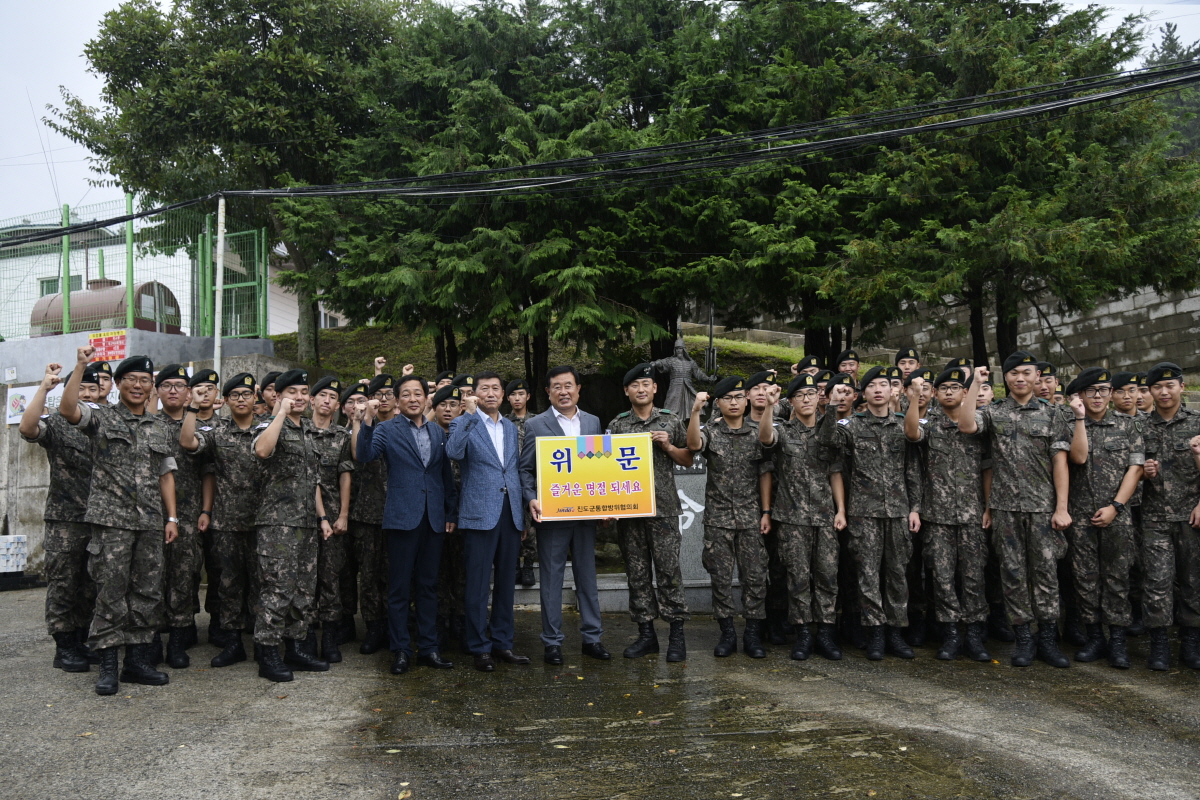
(134, 364)
(1165, 371)
(894, 373)
(444, 375)
(205, 376)
(841, 379)
(809, 361)
(379, 383)
(269, 379)
(464, 380)
(243, 380)
(824, 375)
(907, 352)
(88, 377)
(801, 382)
(874, 373)
(356, 388)
(293, 377)
(1046, 368)
(1089, 377)
(766, 376)
(328, 382)
(169, 372)
(726, 385)
(517, 385)
(446, 393)
(925, 374)
(954, 375)
(1120, 379)
(1020, 358)
(958, 362)
(645, 370)
(847, 355)
(1141, 378)
(100, 366)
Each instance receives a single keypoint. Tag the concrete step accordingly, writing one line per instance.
(614, 593)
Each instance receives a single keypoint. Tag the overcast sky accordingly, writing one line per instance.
(41, 49)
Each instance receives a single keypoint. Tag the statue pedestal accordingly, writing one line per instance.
(690, 483)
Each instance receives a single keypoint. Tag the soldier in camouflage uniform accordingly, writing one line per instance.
(760, 388)
(650, 546)
(920, 577)
(882, 490)
(68, 603)
(132, 483)
(807, 511)
(205, 387)
(1126, 386)
(1107, 455)
(287, 539)
(227, 447)
(518, 395)
(353, 398)
(734, 520)
(366, 522)
(1029, 441)
(452, 572)
(1170, 518)
(332, 443)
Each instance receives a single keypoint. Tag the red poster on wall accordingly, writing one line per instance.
(110, 345)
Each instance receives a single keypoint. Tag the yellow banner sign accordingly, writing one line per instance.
(595, 477)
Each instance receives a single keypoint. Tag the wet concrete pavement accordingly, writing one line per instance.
(621, 729)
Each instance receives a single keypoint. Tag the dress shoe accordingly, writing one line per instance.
(484, 662)
(596, 650)
(553, 655)
(509, 657)
(435, 660)
(400, 663)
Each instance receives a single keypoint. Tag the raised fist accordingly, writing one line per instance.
(698, 403)
(84, 354)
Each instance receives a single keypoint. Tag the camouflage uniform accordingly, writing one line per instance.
(69, 597)
(1170, 546)
(1134, 509)
(1024, 439)
(731, 517)
(286, 542)
(881, 491)
(452, 569)
(366, 534)
(951, 509)
(528, 553)
(229, 453)
(332, 445)
(129, 455)
(185, 556)
(650, 545)
(803, 511)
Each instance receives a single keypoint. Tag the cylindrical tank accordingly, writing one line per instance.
(102, 307)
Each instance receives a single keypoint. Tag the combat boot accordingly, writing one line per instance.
(914, 634)
(752, 644)
(1189, 647)
(375, 639)
(346, 631)
(1160, 650)
(951, 642)
(1073, 629)
(1118, 655)
(976, 633)
(67, 655)
(1024, 651)
(646, 642)
(139, 669)
(216, 634)
(258, 651)
(1095, 648)
(874, 635)
(156, 650)
(191, 636)
(676, 646)
(1047, 645)
(233, 653)
(826, 644)
(727, 644)
(896, 644)
(803, 647)
(177, 657)
(107, 683)
(329, 643)
(998, 627)
(296, 655)
(270, 666)
(525, 575)
(81, 636)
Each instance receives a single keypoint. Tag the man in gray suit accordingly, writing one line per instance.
(564, 418)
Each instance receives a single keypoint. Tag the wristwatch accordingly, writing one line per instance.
(192, 410)
(173, 519)
(1118, 506)
(322, 519)
(767, 511)
(206, 513)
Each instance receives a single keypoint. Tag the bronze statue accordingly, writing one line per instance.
(681, 391)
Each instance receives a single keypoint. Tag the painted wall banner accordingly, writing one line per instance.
(595, 477)
(110, 345)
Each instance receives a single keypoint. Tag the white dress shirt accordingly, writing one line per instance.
(569, 425)
(496, 431)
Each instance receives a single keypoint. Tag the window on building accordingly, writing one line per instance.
(50, 285)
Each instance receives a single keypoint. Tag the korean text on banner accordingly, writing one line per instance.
(110, 345)
(595, 477)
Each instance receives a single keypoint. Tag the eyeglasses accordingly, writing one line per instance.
(807, 394)
(386, 394)
(735, 397)
(147, 381)
(241, 395)
(946, 388)
(1097, 391)
(172, 387)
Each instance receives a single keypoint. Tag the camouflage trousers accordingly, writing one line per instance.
(371, 555)
(331, 564)
(287, 580)
(212, 571)
(528, 554)
(957, 552)
(810, 558)
(777, 579)
(743, 548)
(452, 577)
(182, 559)
(127, 567)
(650, 547)
(236, 582)
(881, 549)
(1101, 561)
(68, 599)
(348, 580)
(1170, 561)
(1029, 549)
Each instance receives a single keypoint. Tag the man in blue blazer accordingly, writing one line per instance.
(421, 504)
(490, 518)
(555, 539)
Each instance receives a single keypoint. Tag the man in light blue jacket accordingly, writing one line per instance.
(490, 518)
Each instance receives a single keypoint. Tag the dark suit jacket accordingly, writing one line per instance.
(414, 490)
(546, 424)
(489, 487)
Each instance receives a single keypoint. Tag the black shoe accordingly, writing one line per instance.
(233, 653)
(1189, 647)
(81, 636)
(752, 639)
(976, 633)
(509, 657)
(329, 643)
(375, 639)
(803, 647)
(676, 646)
(1160, 650)
(1047, 645)
(296, 655)
(484, 662)
(727, 644)
(1024, 651)
(896, 644)
(645, 644)
(1095, 648)
(177, 657)
(914, 634)
(951, 642)
(400, 663)
(270, 665)
(826, 643)
(346, 631)
(1072, 630)
(875, 645)
(596, 651)
(107, 682)
(998, 627)
(853, 631)
(1118, 653)
(138, 669)
(434, 659)
(525, 576)
(553, 655)
(775, 633)
(67, 653)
